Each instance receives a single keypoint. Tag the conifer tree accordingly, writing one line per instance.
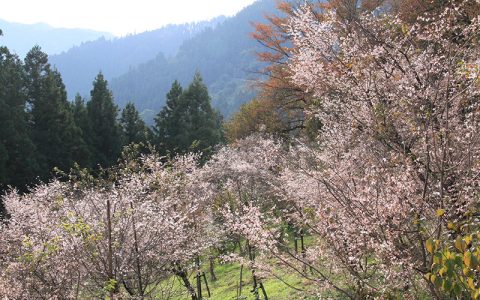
(57, 138)
(80, 115)
(204, 124)
(134, 130)
(104, 136)
(168, 124)
(18, 165)
(188, 123)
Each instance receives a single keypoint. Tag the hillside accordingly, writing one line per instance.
(225, 56)
(114, 57)
(20, 38)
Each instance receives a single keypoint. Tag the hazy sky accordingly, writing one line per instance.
(116, 16)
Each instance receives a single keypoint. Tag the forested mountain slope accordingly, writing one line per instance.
(114, 57)
(224, 55)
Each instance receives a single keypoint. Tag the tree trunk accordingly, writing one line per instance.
(304, 252)
(137, 256)
(263, 291)
(254, 277)
(110, 252)
(184, 276)
(206, 284)
(199, 278)
(241, 280)
(212, 267)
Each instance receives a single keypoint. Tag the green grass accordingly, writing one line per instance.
(227, 284)
(287, 286)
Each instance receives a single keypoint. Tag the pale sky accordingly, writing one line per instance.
(118, 17)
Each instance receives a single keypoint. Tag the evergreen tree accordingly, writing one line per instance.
(134, 130)
(80, 115)
(188, 122)
(168, 124)
(57, 138)
(204, 127)
(18, 164)
(104, 135)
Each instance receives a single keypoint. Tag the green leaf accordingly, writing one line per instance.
(447, 285)
(457, 289)
(430, 246)
(438, 281)
(437, 258)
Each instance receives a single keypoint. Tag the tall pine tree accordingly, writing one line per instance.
(80, 115)
(188, 122)
(168, 123)
(18, 164)
(104, 136)
(57, 138)
(134, 130)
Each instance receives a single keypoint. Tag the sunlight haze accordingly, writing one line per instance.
(117, 17)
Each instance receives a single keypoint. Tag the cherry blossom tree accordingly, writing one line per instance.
(246, 209)
(124, 235)
(400, 145)
(396, 162)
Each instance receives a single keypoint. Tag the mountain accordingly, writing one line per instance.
(20, 38)
(115, 57)
(141, 67)
(224, 55)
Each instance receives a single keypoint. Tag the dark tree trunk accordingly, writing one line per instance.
(241, 281)
(137, 257)
(251, 256)
(263, 291)
(184, 277)
(212, 267)
(199, 278)
(206, 284)
(110, 251)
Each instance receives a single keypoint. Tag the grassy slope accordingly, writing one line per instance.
(227, 283)
(225, 288)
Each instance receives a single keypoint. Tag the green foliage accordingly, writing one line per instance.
(188, 122)
(258, 115)
(104, 137)
(110, 285)
(41, 131)
(18, 163)
(56, 136)
(167, 127)
(134, 130)
(455, 260)
(80, 116)
(33, 255)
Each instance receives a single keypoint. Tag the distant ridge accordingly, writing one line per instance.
(20, 38)
(116, 56)
(224, 55)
